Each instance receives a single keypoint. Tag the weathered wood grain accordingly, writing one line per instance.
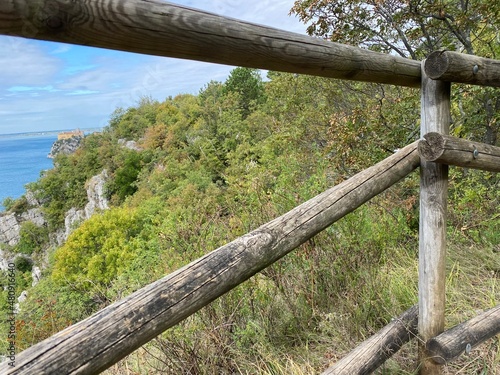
(457, 340)
(462, 68)
(459, 152)
(101, 340)
(159, 28)
(372, 353)
(435, 117)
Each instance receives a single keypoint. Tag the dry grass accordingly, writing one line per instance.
(472, 286)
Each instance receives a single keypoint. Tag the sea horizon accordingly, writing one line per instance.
(49, 132)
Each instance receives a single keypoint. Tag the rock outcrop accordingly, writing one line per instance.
(65, 146)
(4, 261)
(131, 145)
(34, 215)
(96, 202)
(36, 275)
(10, 224)
(9, 229)
(96, 194)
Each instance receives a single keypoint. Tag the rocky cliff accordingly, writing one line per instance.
(10, 224)
(96, 202)
(65, 146)
(10, 227)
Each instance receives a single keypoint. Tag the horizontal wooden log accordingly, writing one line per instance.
(463, 337)
(94, 344)
(156, 27)
(462, 68)
(372, 353)
(445, 149)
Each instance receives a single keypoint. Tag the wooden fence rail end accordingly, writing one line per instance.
(445, 149)
(462, 68)
(463, 337)
(373, 352)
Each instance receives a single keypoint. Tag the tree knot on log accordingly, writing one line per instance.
(54, 23)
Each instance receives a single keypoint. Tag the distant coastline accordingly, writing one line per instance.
(23, 156)
(48, 132)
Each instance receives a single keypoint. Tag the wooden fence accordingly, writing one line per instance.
(164, 29)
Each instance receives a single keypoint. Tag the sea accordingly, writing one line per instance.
(23, 157)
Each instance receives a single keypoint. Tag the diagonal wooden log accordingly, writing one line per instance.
(372, 353)
(463, 337)
(445, 149)
(94, 344)
(156, 27)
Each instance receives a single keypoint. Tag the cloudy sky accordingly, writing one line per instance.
(52, 86)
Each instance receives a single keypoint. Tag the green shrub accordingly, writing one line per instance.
(33, 238)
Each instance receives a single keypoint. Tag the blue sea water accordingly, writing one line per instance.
(22, 158)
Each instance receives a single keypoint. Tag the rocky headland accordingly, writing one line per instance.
(65, 146)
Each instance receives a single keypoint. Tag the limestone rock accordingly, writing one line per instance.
(96, 201)
(96, 194)
(4, 261)
(131, 145)
(36, 275)
(34, 215)
(65, 146)
(22, 297)
(10, 225)
(9, 229)
(73, 218)
(30, 197)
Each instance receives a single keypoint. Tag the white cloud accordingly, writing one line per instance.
(82, 92)
(45, 86)
(24, 62)
(20, 89)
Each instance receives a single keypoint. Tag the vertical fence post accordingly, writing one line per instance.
(435, 117)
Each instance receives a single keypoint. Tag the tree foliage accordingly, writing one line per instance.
(413, 29)
(32, 238)
(99, 250)
(410, 28)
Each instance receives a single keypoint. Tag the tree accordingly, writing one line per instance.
(99, 250)
(32, 238)
(123, 182)
(410, 28)
(413, 29)
(247, 83)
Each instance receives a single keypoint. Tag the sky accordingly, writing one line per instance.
(53, 86)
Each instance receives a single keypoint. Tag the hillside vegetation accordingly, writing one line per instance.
(211, 167)
(214, 166)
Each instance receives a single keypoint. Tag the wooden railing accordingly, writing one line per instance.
(164, 29)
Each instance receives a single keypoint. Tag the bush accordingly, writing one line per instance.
(23, 264)
(17, 206)
(33, 238)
